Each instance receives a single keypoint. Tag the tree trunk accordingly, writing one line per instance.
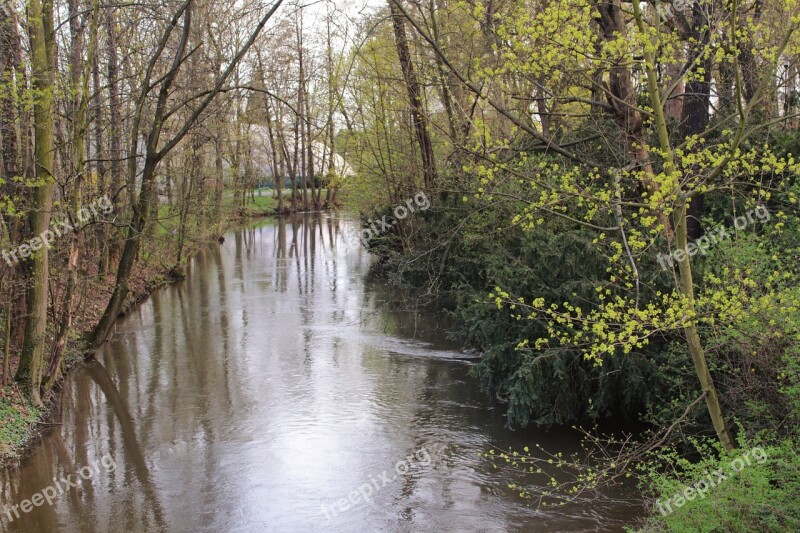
(331, 129)
(273, 148)
(7, 343)
(10, 55)
(12, 116)
(686, 287)
(100, 165)
(302, 118)
(420, 123)
(696, 101)
(115, 131)
(80, 86)
(42, 38)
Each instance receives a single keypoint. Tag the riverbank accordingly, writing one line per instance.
(21, 423)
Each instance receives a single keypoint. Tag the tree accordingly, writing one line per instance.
(41, 33)
(414, 96)
(154, 150)
(636, 186)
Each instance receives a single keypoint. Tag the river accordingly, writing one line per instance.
(275, 389)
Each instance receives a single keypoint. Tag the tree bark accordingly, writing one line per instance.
(418, 119)
(115, 131)
(696, 101)
(10, 55)
(42, 38)
(686, 284)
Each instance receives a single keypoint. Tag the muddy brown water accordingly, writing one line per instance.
(277, 390)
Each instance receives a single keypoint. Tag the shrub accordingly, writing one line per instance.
(762, 496)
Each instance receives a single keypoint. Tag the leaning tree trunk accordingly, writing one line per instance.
(141, 206)
(686, 284)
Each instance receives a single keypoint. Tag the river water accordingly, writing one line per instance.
(275, 389)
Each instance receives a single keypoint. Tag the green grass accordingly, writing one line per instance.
(265, 202)
(168, 222)
(263, 205)
(16, 418)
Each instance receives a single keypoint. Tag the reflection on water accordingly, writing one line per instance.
(262, 391)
